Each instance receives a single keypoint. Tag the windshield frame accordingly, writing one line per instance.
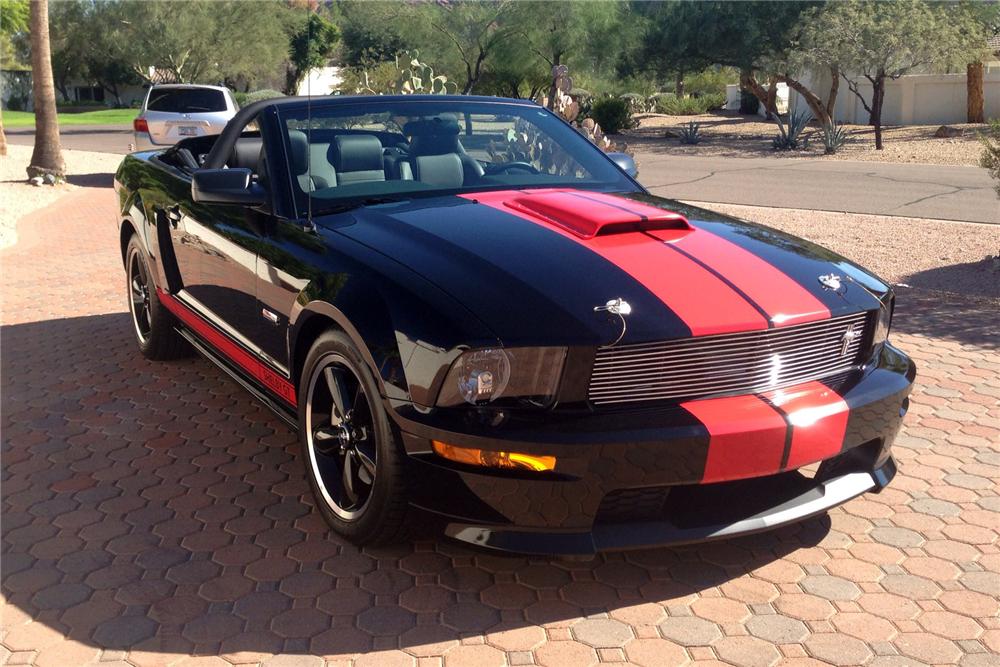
(306, 206)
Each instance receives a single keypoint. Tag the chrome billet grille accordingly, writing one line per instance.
(727, 364)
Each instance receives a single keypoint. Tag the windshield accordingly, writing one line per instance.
(402, 149)
(186, 100)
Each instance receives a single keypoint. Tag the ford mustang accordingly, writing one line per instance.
(472, 314)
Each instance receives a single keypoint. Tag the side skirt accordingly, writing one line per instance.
(280, 410)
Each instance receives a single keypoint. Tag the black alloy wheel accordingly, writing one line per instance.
(154, 325)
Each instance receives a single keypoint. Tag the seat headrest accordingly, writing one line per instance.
(444, 124)
(356, 152)
(298, 144)
(246, 152)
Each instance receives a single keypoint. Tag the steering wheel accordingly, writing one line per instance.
(507, 166)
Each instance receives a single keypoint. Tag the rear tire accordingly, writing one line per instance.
(352, 458)
(152, 324)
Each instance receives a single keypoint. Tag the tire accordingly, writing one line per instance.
(353, 460)
(152, 324)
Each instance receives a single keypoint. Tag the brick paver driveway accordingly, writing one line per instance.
(153, 512)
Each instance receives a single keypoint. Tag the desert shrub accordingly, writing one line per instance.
(689, 106)
(790, 137)
(691, 133)
(990, 159)
(711, 81)
(257, 96)
(613, 114)
(834, 137)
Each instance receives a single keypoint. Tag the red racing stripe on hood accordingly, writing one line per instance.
(705, 302)
(746, 437)
(817, 416)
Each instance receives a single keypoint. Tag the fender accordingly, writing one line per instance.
(386, 326)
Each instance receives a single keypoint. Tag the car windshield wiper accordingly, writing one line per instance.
(352, 204)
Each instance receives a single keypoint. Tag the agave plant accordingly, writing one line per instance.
(834, 137)
(790, 138)
(691, 133)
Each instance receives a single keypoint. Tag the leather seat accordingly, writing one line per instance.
(437, 157)
(299, 157)
(357, 158)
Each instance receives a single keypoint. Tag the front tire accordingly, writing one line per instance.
(352, 459)
(152, 323)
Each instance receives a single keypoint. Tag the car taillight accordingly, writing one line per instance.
(140, 125)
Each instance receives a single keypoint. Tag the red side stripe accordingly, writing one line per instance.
(226, 346)
(706, 304)
(785, 300)
(747, 437)
(817, 416)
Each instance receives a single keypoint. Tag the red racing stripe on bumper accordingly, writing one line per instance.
(704, 301)
(746, 437)
(817, 416)
(223, 344)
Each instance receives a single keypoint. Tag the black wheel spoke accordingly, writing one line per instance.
(349, 465)
(341, 436)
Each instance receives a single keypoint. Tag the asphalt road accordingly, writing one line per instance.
(920, 191)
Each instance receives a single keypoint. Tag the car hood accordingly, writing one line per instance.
(541, 266)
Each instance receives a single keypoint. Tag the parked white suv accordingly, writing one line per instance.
(177, 111)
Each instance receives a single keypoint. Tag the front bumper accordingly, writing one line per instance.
(638, 478)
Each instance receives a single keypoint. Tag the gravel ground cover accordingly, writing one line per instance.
(18, 197)
(729, 134)
(955, 257)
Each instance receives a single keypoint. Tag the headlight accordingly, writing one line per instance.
(884, 322)
(478, 377)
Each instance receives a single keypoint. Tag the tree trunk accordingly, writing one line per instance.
(47, 157)
(878, 97)
(748, 81)
(679, 84)
(975, 103)
(3, 137)
(291, 81)
(552, 86)
(819, 111)
(771, 103)
(831, 100)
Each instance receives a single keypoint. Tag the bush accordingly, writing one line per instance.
(791, 138)
(613, 114)
(689, 106)
(243, 99)
(990, 159)
(711, 81)
(834, 137)
(691, 133)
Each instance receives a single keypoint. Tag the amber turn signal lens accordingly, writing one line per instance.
(490, 459)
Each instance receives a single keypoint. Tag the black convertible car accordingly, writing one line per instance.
(473, 314)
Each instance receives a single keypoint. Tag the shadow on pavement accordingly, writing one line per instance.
(965, 318)
(105, 180)
(156, 507)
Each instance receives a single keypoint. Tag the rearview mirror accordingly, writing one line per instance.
(227, 186)
(625, 163)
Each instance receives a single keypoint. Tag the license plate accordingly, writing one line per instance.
(187, 131)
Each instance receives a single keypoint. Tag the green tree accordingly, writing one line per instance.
(882, 41)
(685, 37)
(559, 32)
(198, 41)
(475, 31)
(14, 16)
(311, 44)
(372, 32)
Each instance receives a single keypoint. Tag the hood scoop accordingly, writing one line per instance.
(589, 214)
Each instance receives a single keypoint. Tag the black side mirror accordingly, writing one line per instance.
(625, 163)
(227, 186)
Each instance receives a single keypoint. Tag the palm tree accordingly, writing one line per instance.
(47, 157)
